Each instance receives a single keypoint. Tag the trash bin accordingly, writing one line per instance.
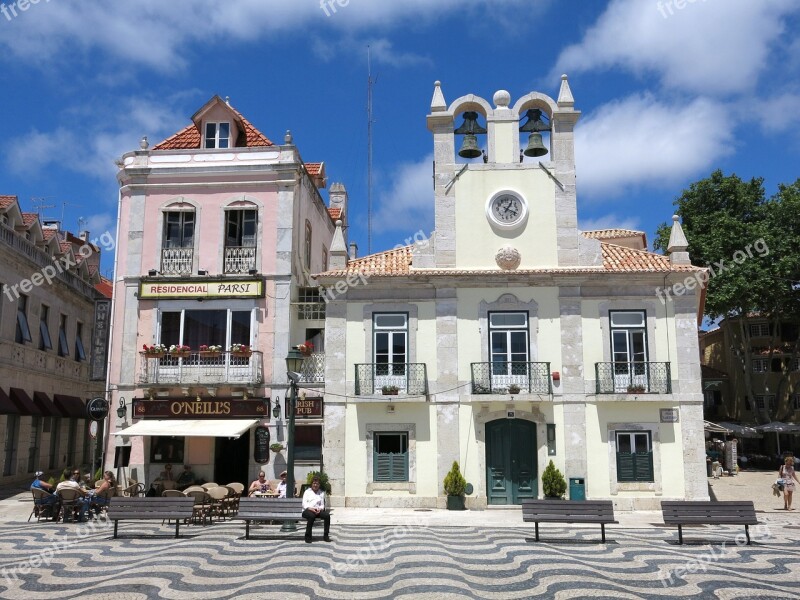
(577, 489)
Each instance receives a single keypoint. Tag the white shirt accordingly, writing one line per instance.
(282, 489)
(312, 499)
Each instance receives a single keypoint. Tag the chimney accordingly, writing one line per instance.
(84, 235)
(353, 251)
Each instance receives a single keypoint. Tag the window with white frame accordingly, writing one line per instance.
(760, 365)
(629, 354)
(240, 228)
(195, 328)
(634, 456)
(44, 329)
(63, 346)
(508, 348)
(23, 332)
(795, 400)
(218, 135)
(390, 456)
(178, 229)
(759, 329)
(390, 349)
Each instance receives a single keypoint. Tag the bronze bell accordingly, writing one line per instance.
(535, 125)
(469, 148)
(535, 145)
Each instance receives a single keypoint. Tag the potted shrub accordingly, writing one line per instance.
(276, 447)
(210, 351)
(179, 350)
(390, 390)
(636, 389)
(554, 485)
(154, 351)
(455, 486)
(513, 389)
(241, 350)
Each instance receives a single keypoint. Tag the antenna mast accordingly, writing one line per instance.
(369, 151)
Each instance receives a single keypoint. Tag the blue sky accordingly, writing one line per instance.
(669, 92)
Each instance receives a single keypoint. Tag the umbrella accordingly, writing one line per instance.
(742, 431)
(778, 428)
(714, 428)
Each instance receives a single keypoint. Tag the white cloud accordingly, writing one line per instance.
(99, 224)
(157, 34)
(777, 114)
(407, 205)
(709, 47)
(642, 141)
(609, 221)
(382, 51)
(112, 131)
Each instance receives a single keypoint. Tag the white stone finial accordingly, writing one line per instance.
(288, 139)
(678, 244)
(338, 249)
(228, 100)
(143, 143)
(502, 99)
(565, 98)
(437, 102)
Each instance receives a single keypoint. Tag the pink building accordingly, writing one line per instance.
(219, 232)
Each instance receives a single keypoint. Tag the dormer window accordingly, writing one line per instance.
(218, 135)
(4, 219)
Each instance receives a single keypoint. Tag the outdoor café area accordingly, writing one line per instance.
(734, 446)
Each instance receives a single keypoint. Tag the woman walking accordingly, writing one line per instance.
(789, 477)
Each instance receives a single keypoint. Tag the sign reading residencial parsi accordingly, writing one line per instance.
(229, 288)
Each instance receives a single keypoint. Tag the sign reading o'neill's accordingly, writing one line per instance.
(198, 288)
(205, 408)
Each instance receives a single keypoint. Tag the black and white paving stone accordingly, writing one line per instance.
(47, 561)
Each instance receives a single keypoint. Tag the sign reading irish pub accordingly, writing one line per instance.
(205, 408)
(160, 290)
(306, 407)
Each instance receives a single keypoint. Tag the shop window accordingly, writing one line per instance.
(390, 460)
(634, 456)
(308, 442)
(166, 449)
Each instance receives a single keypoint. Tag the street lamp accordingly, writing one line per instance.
(294, 362)
(276, 410)
(122, 411)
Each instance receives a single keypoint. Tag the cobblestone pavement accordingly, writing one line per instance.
(418, 557)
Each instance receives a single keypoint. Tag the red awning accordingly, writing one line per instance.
(46, 405)
(71, 406)
(7, 407)
(24, 402)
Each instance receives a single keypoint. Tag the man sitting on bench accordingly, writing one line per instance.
(314, 508)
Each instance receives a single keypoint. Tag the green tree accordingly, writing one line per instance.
(750, 246)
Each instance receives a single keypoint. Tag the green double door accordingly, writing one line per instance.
(511, 461)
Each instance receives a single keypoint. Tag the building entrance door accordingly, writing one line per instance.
(232, 458)
(511, 473)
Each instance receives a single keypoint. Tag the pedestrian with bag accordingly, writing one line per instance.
(789, 477)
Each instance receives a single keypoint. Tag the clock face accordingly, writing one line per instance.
(507, 210)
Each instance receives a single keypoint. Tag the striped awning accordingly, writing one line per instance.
(7, 407)
(71, 406)
(24, 403)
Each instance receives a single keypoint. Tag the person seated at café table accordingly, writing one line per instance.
(41, 484)
(282, 486)
(98, 498)
(72, 484)
(166, 474)
(187, 478)
(260, 485)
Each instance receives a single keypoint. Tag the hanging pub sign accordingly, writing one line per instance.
(306, 407)
(99, 356)
(202, 408)
(97, 409)
(261, 447)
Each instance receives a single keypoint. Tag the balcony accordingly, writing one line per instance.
(202, 369)
(633, 378)
(176, 261)
(313, 369)
(409, 378)
(240, 260)
(498, 377)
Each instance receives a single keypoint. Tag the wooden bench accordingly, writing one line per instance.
(569, 511)
(121, 508)
(729, 512)
(268, 509)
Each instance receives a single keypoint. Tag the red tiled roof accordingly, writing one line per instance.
(104, 287)
(6, 201)
(616, 259)
(313, 169)
(611, 234)
(49, 233)
(65, 247)
(29, 219)
(189, 137)
(335, 213)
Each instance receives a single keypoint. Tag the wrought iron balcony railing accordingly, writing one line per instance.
(202, 368)
(389, 378)
(498, 377)
(176, 261)
(310, 311)
(240, 259)
(313, 368)
(633, 378)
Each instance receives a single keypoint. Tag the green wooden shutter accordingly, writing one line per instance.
(390, 467)
(626, 467)
(644, 466)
